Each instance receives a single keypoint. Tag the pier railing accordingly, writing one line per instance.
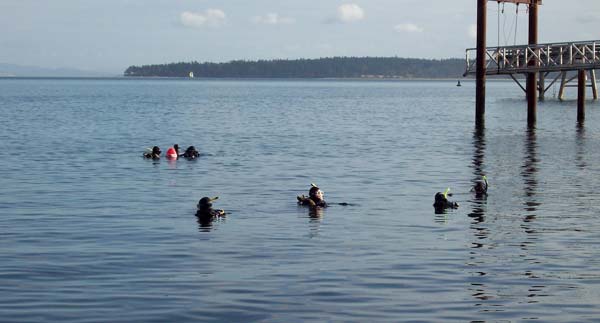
(553, 57)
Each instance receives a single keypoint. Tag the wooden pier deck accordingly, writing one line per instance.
(553, 57)
(556, 58)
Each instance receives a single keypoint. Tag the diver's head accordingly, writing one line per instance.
(440, 199)
(315, 193)
(204, 203)
(176, 146)
(156, 150)
(480, 188)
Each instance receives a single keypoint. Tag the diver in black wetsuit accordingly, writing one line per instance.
(155, 154)
(315, 198)
(191, 153)
(205, 210)
(441, 202)
(176, 147)
(481, 187)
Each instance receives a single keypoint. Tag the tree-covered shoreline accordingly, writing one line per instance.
(334, 67)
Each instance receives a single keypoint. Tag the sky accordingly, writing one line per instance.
(110, 35)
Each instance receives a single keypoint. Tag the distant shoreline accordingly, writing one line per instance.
(329, 67)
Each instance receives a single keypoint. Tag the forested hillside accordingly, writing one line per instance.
(335, 67)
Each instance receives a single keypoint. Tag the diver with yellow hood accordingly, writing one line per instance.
(441, 201)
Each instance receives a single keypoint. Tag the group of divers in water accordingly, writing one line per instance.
(315, 198)
(172, 153)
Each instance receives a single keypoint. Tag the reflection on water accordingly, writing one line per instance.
(315, 217)
(441, 217)
(529, 172)
(477, 164)
(580, 146)
(315, 213)
(479, 291)
(207, 224)
(172, 163)
(204, 224)
(478, 152)
(490, 278)
(441, 214)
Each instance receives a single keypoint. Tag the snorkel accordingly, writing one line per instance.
(446, 193)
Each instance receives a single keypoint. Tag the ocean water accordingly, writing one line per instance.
(92, 232)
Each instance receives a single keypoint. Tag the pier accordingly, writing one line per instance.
(536, 61)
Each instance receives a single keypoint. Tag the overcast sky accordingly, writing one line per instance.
(110, 35)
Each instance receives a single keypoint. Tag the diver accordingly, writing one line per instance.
(205, 210)
(176, 147)
(154, 154)
(191, 153)
(441, 201)
(480, 188)
(315, 197)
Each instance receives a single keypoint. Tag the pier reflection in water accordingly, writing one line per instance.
(478, 202)
(502, 249)
(580, 146)
(529, 172)
(478, 288)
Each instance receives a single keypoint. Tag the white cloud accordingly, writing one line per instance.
(473, 31)
(408, 28)
(210, 18)
(350, 12)
(273, 19)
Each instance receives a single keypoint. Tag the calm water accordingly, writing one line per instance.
(91, 232)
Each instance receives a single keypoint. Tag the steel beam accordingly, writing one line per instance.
(532, 85)
(581, 96)
(542, 86)
(480, 63)
(594, 85)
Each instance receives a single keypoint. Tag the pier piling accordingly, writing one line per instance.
(581, 84)
(532, 77)
(480, 62)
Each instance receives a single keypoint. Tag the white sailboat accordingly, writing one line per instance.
(191, 75)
